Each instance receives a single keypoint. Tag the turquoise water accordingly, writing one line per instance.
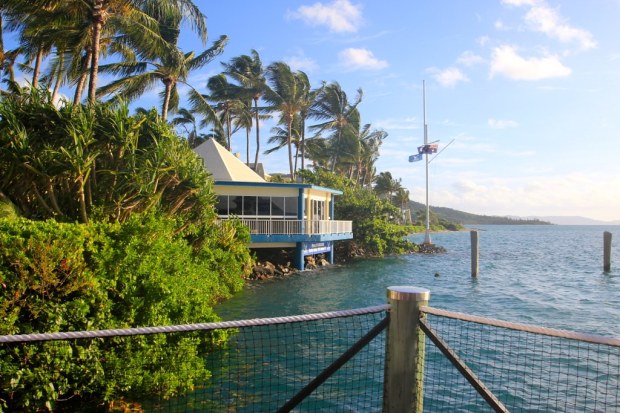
(546, 275)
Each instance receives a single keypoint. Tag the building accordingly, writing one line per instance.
(279, 215)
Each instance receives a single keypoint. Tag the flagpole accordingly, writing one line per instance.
(427, 235)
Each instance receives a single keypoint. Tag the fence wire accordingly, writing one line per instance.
(527, 372)
(259, 369)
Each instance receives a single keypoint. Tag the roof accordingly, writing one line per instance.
(223, 165)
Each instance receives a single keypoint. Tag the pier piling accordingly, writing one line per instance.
(403, 389)
(606, 251)
(475, 253)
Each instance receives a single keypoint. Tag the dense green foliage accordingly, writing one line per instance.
(78, 163)
(148, 251)
(375, 224)
(71, 277)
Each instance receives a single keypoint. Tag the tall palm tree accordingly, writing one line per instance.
(170, 68)
(308, 98)
(337, 115)
(401, 198)
(386, 185)
(219, 106)
(286, 95)
(135, 13)
(249, 73)
(282, 137)
(369, 142)
(186, 119)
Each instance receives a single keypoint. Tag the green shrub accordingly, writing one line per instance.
(143, 272)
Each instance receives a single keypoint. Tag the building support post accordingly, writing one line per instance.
(300, 262)
(403, 388)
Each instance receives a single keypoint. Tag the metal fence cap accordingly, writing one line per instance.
(408, 293)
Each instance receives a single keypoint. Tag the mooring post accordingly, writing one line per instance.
(606, 251)
(403, 387)
(475, 252)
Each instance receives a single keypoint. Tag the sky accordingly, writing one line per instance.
(522, 95)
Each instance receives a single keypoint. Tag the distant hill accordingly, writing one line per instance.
(575, 220)
(466, 218)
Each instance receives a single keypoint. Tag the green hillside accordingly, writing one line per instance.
(467, 218)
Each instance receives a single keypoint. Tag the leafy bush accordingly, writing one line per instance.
(70, 277)
(374, 226)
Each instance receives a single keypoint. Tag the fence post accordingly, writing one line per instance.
(606, 251)
(475, 252)
(403, 387)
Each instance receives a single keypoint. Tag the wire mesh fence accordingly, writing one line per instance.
(260, 365)
(257, 368)
(526, 371)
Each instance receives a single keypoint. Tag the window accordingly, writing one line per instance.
(249, 205)
(262, 206)
(235, 205)
(290, 207)
(222, 205)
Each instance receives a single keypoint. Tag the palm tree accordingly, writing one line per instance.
(187, 121)
(282, 137)
(337, 113)
(172, 67)
(401, 198)
(308, 98)
(386, 185)
(131, 14)
(287, 94)
(249, 73)
(219, 106)
(369, 142)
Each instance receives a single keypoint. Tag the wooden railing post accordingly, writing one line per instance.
(403, 388)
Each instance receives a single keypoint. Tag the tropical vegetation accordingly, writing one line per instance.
(107, 218)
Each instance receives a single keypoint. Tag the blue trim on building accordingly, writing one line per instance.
(277, 185)
(264, 238)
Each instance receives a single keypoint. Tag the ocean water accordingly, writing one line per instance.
(550, 276)
(546, 275)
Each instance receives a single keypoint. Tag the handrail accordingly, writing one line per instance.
(296, 226)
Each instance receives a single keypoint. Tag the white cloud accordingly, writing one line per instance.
(302, 63)
(340, 16)
(502, 123)
(520, 2)
(546, 20)
(407, 123)
(468, 58)
(355, 59)
(507, 62)
(582, 194)
(449, 77)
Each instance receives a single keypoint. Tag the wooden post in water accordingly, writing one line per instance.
(403, 387)
(475, 253)
(606, 251)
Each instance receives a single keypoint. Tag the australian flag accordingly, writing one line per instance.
(415, 158)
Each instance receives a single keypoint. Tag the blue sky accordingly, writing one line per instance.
(528, 90)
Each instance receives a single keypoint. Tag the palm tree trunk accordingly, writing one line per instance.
(303, 143)
(37, 68)
(290, 151)
(94, 65)
(257, 134)
(79, 88)
(247, 146)
(228, 130)
(58, 78)
(167, 93)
